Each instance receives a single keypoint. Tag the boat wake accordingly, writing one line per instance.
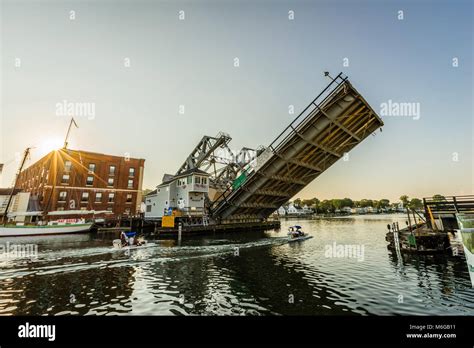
(73, 260)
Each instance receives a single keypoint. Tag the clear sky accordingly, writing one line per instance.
(51, 55)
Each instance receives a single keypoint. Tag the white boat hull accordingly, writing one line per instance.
(135, 247)
(296, 239)
(19, 231)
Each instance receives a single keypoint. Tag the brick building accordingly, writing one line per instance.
(66, 180)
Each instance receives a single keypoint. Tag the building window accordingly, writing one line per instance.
(67, 166)
(62, 196)
(98, 197)
(83, 208)
(60, 208)
(90, 180)
(197, 179)
(204, 181)
(110, 182)
(148, 208)
(131, 172)
(109, 209)
(112, 170)
(129, 198)
(127, 211)
(91, 167)
(85, 197)
(189, 180)
(111, 197)
(65, 179)
(130, 183)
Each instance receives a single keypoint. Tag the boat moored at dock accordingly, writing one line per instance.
(49, 228)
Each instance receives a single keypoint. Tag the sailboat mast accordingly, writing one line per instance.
(25, 156)
(69, 131)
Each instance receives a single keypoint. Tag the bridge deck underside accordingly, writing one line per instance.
(329, 131)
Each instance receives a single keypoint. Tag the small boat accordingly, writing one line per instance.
(12, 228)
(299, 239)
(296, 234)
(133, 247)
(127, 242)
(50, 228)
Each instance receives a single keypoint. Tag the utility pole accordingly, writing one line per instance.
(25, 156)
(68, 131)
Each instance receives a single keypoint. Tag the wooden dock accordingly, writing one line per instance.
(212, 228)
(113, 229)
(435, 232)
(418, 239)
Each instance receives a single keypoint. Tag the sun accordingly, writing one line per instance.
(49, 144)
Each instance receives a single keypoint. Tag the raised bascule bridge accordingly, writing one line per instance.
(336, 121)
(248, 189)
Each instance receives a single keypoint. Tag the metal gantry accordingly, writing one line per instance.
(214, 156)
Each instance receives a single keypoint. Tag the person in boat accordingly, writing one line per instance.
(294, 231)
(129, 239)
(124, 239)
(297, 232)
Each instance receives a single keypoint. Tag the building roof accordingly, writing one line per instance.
(95, 153)
(167, 178)
(79, 152)
(192, 171)
(154, 192)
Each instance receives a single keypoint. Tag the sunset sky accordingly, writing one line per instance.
(136, 63)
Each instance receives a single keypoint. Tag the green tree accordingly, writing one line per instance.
(405, 200)
(366, 203)
(415, 203)
(347, 202)
(326, 206)
(438, 198)
(384, 202)
(337, 203)
(312, 203)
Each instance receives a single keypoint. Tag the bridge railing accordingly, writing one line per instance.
(286, 134)
(308, 112)
(449, 204)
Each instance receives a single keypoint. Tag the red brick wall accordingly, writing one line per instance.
(34, 179)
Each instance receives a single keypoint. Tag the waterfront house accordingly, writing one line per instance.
(185, 192)
(359, 210)
(400, 208)
(294, 210)
(307, 210)
(372, 210)
(281, 211)
(346, 210)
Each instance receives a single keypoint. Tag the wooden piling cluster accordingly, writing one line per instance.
(417, 239)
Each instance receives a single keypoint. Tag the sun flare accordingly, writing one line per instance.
(49, 144)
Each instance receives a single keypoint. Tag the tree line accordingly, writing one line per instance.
(330, 205)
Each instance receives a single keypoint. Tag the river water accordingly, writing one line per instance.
(247, 273)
